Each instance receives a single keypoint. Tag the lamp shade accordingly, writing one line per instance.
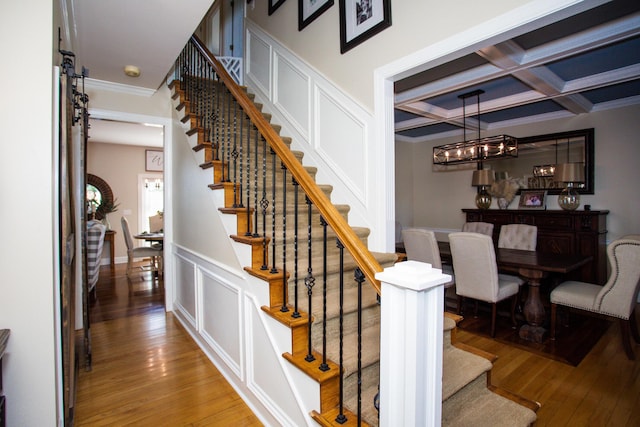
(482, 177)
(569, 172)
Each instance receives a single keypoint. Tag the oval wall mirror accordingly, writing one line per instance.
(98, 195)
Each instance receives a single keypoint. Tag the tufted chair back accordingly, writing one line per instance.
(518, 236)
(478, 227)
(619, 295)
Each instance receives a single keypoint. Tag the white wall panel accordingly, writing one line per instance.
(262, 376)
(259, 62)
(341, 140)
(291, 94)
(185, 287)
(221, 318)
(328, 126)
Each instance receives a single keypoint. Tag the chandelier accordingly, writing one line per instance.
(475, 150)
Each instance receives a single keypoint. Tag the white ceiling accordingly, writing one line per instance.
(108, 35)
(116, 132)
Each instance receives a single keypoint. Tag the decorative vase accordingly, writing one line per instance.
(503, 203)
(105, 221)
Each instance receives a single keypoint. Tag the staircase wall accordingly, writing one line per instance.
(219, 303)
(331, 129)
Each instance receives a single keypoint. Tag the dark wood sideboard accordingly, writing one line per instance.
(562, 232)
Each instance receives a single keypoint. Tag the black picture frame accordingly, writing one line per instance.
(274, 5)
(532, 199)
(361, 20)
(308, 12)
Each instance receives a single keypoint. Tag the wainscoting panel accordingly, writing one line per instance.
(330, 128)
(269, 384)
(341, 139)
(222, 318)
(291, 94)
(259, 63)
(185, 288)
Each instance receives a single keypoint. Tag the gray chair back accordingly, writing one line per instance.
(518, 236)
(478, 227)
(474, 261)
(421, 245)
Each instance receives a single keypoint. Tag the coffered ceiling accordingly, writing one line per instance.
(587, 63)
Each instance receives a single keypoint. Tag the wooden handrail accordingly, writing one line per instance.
(360, 253)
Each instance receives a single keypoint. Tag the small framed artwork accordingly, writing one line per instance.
(532, 199)
(361, 20)
(274, 4)
(308, 10)
(154, 160)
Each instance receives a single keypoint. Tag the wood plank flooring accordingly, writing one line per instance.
(147, 371)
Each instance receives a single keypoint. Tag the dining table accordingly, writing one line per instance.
(150, 237)
(533, 267)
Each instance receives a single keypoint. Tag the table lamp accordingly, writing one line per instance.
(570, 174)
(482, 178)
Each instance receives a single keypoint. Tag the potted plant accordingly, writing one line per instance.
(105, 208)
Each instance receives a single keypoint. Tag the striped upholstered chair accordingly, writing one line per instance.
(95, 241)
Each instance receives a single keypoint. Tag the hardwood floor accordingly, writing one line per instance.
(603, 390)
(147, 371)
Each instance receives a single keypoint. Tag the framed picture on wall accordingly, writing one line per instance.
(274, 4)
(154, 160)
(532, 199)
(361, 20)
(308, 10)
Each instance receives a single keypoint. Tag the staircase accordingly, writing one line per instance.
(318, 270)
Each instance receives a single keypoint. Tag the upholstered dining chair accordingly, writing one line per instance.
(617, 298)
(133, 252)
(518, 236)
(474, 261)
(421, 245)
(478, 227)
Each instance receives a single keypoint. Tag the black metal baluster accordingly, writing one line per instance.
(228, 139)
(234, 153)
(296, 313)
(285, 286)
(273, 212)
(248, 183)
(341, 418)
(255, 182)
(324, 366)
(264, 204)
(359, 278)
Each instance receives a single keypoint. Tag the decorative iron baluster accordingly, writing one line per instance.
(227, 141)
(296, 313)
(234, 153)
(248, 184)
(274, 269)
(240, 156)
(256, 144)
(359, 278)
(218, 121)
(341, 418)
(285, 287)
(264, 204)
(324, 366)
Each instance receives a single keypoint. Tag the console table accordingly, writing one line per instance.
(109, 236)
(562, 232)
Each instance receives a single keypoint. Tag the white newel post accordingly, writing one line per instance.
(412, 304)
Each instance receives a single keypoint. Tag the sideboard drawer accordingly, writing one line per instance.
(556, 222)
